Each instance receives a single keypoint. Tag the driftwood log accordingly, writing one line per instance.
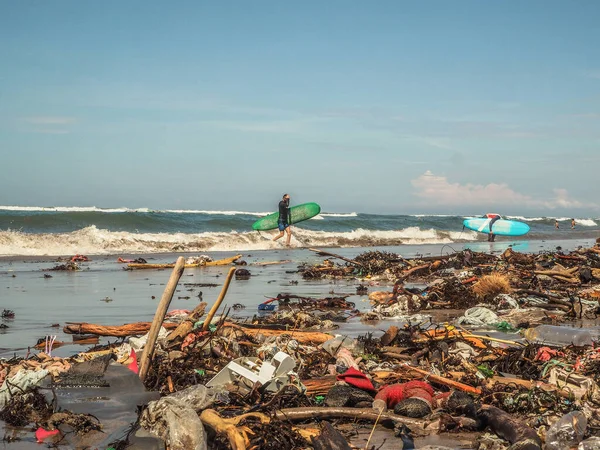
(186, 326)
(510, 428)
(128, 329)
(303, 337)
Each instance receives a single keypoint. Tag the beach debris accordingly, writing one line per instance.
(198, 260)
(242, 274)
(452, 360)
(8, 314)
(249, 373)
(68, 266)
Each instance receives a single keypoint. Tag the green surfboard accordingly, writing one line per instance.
(298, 213)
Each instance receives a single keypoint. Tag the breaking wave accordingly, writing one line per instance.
(72, 209)
(352, 214)
(550, 220)
(93, 241)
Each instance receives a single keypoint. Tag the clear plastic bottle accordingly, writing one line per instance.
(592, 443)
(558, 336)
(567, 432)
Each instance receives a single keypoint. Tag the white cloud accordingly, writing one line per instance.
(439, 191)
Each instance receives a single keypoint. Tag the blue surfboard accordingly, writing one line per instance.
(500, 227)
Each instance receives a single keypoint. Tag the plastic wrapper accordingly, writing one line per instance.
(174, 418)
(567, 432)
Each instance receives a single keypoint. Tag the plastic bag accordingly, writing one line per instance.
(479, 316)
(174, 418)
(567, 432)
(23, 380)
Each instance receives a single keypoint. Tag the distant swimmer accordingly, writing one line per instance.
(572, 223)
(283, 222)
(494, 217)
(556, 224)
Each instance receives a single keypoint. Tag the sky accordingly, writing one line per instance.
(389, 106)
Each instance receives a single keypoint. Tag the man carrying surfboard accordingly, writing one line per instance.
(283, 222)
(493, 217)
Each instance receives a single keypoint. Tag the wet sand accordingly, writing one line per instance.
(40, 302)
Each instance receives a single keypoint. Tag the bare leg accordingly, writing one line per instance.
(289, 236)
(280, 235)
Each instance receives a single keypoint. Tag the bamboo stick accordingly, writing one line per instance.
(217, 304)
(161, 311)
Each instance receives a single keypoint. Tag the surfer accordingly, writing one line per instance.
(283, 223)
(556, 224)
(494, 217)
(572, 224)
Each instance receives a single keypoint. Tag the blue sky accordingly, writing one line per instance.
(388, 106)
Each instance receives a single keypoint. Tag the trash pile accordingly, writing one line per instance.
(505, 372)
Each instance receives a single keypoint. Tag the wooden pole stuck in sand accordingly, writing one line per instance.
(217, 304)
(161, 311)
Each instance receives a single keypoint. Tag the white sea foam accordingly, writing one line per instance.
(586, 222)
(526, 219)
(352, 214)
(216, 213)
(92, 240)
(71, 209)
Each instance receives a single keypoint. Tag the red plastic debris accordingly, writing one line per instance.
(545, 354)
(357, 379)
(395, 393)
(133, 366)
(41, 435)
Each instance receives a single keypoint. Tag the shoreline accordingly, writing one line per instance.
(523, 245)
(102, 292)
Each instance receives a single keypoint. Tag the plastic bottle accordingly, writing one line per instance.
(592, 443)
(558, 336)
(567, 432)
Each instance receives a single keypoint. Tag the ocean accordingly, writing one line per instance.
(53, 231)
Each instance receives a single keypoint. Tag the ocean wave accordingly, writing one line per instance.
(586, 222)
(93, 241)
(72, 209)
(526, 219)
(352, 214)
(216, 213)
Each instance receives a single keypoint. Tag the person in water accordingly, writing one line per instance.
(556, 224)
(284, 220)
(494, 217)
(572, 223)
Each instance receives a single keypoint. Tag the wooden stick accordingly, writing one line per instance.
(351, 261)
(217, 304)
(312, 413)
(161, 311)
(441, 380)
(409, 272)
(530, 385)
